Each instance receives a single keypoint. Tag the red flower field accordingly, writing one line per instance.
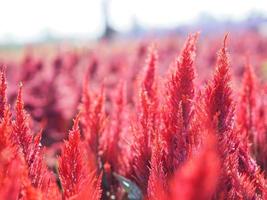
(168, 118)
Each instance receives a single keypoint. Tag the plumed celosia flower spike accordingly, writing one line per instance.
(227, 148)
(113, 157)
(157, 179)
(175, 143)
(12, 181)
(178, 110)
(9, 164)
(30, 147)
(52, 189)
(149, 79)
(237, 163)
(219, 102)
(248, 183)
(247, 113)
(96, 126)
(31, 193)
(86, 102)
(249, 189)
(199, 121)
(16, 183)
(141, 147)
(254, 176)
(254, 186)
(229, 168)
(21, 130)
(219, 109)
(261, 126)
(146, 126)
(3, 95)
(6, 130)
(198, 177)
(72, 168)
(112, 148)
(185, 75)
(38, 173)
(86, 110)
(148, 97)
(93, 120)
(5, 114)
(91, 190)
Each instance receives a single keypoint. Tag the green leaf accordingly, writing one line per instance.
(133, 191)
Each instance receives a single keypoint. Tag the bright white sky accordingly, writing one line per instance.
(26, 20)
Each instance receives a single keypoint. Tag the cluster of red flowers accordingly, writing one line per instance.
(170, 141)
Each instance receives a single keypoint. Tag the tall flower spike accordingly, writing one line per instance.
(21, 130)
(5, 114)
(30, 147)
(92, 189)
(149, 79)
(6, 130)
(112, 150)
(185, 76)
(93, 121)
(148, 96)
(72, 168)
(147, 122)
(157, 180)
(141, 147)
(246, 118)
(3, 95)
(219, 111)
(178, 109)
(96, 126)
(261, 154)
(86, 102)
(11, 184)
(198, 177)
(219, 103)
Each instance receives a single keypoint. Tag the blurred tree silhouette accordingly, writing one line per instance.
(109, 31)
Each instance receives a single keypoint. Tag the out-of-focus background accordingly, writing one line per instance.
(33, 21)
(51, 45)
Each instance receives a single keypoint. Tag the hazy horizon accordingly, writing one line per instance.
(30, 20)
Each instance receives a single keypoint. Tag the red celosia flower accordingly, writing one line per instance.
(6, 130)
(178, 111)
(91, 189)
(220, 112)
(113, 149)
(198, 177)
(261, 126)
(72, 167)
(30, 147)
(93, 120)
(247, 112)
(86, 102)
(146, 124)
(157, 182)
(21, 130)
(184, 78)
(149, 95)
(219, 103)
(11, 183)
(3, 97)
(148, 82)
